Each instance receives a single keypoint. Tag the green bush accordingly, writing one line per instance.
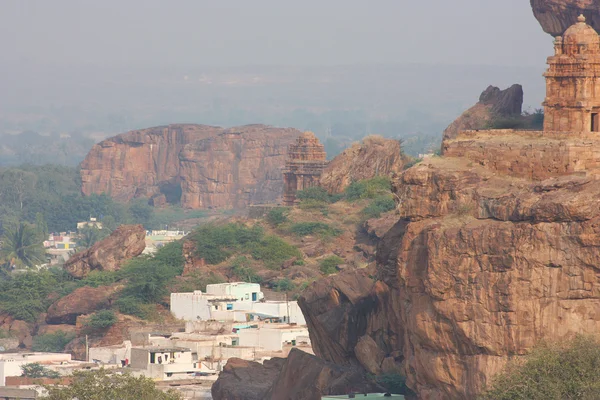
(101, 320)
(216, 244)
(273, 251)
(99, 278)
(277, 216)
(52, 342)
(379, 206)
(566, 370)
(131, 305)
(368, 188)
(242, 268)
(197, 281)
(328, 265)
(315, 193)
(37, 370)
(314, 228)
(284, 285)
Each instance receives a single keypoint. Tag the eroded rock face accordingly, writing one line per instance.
(246, 380)
(126, 242)
(240, 166)
(556, 16)
(487, 266)
(493, 103)
(197, 165)
(84, 300)
(375, 156)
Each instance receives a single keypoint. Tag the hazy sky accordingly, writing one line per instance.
(243, 32)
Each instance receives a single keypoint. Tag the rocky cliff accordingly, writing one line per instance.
(197, 165)
(109, 254)
(556, 16)
(373, 157)
(493, 104)
(488, 257)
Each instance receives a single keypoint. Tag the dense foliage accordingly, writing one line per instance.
(54, 192)
(37, 370)
(566, 370)
(101, 320)
(217, 243)
(22, 246)
(277, 216)
(52, 342)
(378, 206)
(314, 228)
(106, 385)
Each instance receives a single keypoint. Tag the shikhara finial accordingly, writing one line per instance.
(581, 18)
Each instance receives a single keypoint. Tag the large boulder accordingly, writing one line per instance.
(109, 254)
(375, 156)
(301, 376)
(246, 380)
(493, 104)
(198, 166)
(84, 300)
(556, 16)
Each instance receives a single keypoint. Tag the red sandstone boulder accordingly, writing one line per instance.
(126, 242)
(84, 300)
(212, 167)
(493, 104)
(246, 380)
(375, 156)
(555, 16)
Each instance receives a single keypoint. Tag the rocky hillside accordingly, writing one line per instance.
(493, 105)
(372, 157)
(198, 166)
(556, 16)
(486, 259)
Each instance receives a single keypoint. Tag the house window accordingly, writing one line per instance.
(230, 306)
(247, 296)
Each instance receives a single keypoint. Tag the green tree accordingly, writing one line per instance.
(41, 225)
(328, 265)
(105, 385)
(37, 370)
(22, 246)
(89, 235)
(109, 223)
(101, 320)
(52, 342)
(553, 371)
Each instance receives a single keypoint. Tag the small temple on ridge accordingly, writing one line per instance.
(304, 166)
(572, 101)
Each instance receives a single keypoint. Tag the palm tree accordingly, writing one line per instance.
(22, 246)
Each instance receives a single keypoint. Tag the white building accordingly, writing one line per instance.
(274, 337)
(164, 363)
(11, 363)
(242, 291)
(283, 311)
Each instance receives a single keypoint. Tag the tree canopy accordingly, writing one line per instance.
(105, 385)
(553, 371)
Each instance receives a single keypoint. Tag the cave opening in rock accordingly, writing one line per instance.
(172, 191)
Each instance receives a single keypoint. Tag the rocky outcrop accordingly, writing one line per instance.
(493, 104)
(246, 380)
(240, 166)
(301, 376)
(375, 156)
(198, 166)
(109, 254)
(556, 16)
(84, 300)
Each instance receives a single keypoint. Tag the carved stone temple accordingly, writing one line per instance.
(303, 167)
(573, 81)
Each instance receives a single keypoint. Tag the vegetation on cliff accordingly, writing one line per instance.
(553, 371)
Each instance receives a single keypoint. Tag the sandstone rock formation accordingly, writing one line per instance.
(125, 242)
(375, 156)
(199, 166)
(556, 16)
(301, 376)
(493, 103)
(84, 300)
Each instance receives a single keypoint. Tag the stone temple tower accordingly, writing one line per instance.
(573, 81)
(303, 167)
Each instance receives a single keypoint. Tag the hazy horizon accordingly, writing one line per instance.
(390, 67)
